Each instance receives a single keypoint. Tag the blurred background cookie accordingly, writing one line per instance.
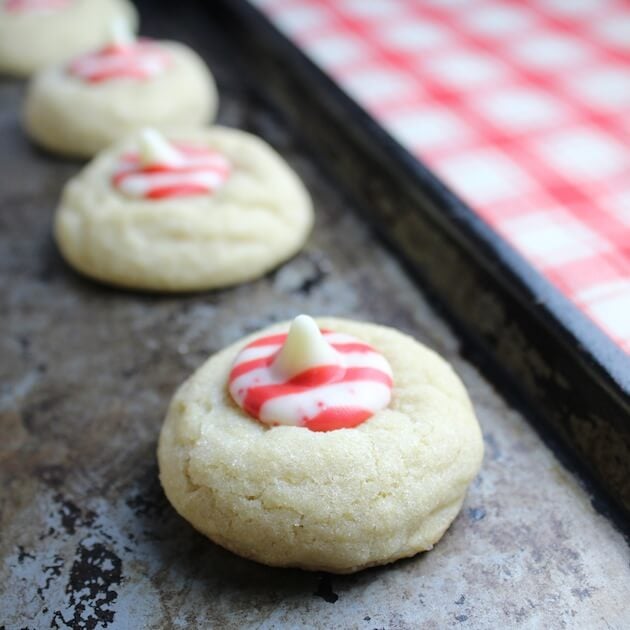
(82, 106)
(206, 208)
(38, 33)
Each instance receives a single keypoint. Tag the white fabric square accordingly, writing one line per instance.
(572, 8)
(496, 20)
(615, 30)
(334, 51)
(413, 36)
(369, 9)
(604, 88)
(551, 242)
(618, 206)
(373, 85)
(583, 154)
(551, 51)
(610, 306)
(521, 109)
(297, 18)
(452, 4)
(466, 69)
(485, 176)
(426, 129)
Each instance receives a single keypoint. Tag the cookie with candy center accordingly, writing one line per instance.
(193, 210)
(271, 485)
(37, 33)
(80, 107)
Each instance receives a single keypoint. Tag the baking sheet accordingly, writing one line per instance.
(88, 539)
(525, 334)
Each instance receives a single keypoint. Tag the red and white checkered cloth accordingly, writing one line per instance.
(523, 108)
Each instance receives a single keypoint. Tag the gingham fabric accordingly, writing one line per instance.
(523, 108)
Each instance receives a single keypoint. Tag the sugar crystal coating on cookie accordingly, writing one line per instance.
(160, 169)
(338, 501)
(35, 6)
(318, 379)
(123, 57)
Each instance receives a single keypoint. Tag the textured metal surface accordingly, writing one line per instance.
(87, 538)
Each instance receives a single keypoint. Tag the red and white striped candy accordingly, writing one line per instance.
(199, 171)
(321, 398)
(35, 6)
(139, 60)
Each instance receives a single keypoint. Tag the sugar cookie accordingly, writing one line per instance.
(265, 482)
(37, 33)
(82, 106)
(206, 208)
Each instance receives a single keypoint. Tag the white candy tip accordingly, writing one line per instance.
(304, 348)
(156, 149)
(120, 33)
(304, 324)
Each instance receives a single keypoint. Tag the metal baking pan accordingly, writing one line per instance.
(572, 379)
(88, 539)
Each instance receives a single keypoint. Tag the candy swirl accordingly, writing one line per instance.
(139, 60)
(161, 170)
(321, 380)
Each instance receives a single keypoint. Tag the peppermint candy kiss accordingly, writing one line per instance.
(123, 58)
(321, 380)
(161, 170)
